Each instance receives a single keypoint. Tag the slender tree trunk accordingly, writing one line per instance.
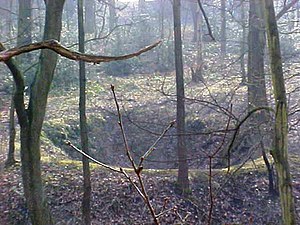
(223, 28)
(86, 200)
(24, 37)
(183, 180)
(143, 38)
(12, 134)
(161, 19)
(280, 151)
(197, 72)
(90, 17)
(195, 16)
(243, 42)
(112, 15)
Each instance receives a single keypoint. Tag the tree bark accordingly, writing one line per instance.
(280, 151)
(182, 179)
(86, 200)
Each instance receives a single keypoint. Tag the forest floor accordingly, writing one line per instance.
(148, 105)
(240, 197)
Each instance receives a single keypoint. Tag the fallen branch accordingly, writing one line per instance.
(68, 53)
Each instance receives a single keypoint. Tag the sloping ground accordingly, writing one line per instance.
(240, 198)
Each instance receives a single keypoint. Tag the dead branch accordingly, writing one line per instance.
(68, 53)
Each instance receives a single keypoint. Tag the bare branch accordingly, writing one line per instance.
(70, 54)
(285, 9)
(152, 147)
(136, 169)
(120, 170)
(206, 21)
(92, 159)
(238, 128)
(120, 122)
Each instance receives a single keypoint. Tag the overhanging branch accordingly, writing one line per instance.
(70, 54)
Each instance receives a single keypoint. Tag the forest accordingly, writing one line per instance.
(149, 112)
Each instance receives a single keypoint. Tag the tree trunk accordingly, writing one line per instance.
(195, 17)
(86, 200)
(143, 38)
(24, 38)
(183, 180)
(243, 42)
(24, 23)
(162, 19)
(31, 120)
(112, 15)
(280, 151)
(12, 134)
(90, 17)
(257, 94)
(223, 28)
(197, 72)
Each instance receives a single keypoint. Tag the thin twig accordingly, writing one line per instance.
(120, 122)
(152, 147)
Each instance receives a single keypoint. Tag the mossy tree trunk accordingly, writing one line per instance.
(280, 151)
